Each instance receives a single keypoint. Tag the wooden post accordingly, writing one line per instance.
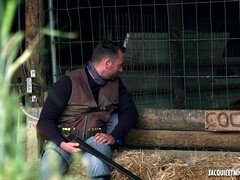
(34, 21)
(176, 50)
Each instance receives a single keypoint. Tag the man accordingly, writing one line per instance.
(91, 103)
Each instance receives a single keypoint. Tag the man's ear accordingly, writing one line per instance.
(107, 62)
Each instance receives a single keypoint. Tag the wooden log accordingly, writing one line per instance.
(179, 154)
(182, 140)
(171, 119)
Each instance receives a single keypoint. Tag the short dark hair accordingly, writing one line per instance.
(104, 49)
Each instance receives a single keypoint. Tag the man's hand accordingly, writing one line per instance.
(70, 147)
(103, 138)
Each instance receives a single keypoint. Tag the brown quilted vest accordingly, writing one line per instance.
(82, 112)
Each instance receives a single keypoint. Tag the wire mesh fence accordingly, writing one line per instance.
(179, 53)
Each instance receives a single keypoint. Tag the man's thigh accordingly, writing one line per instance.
(54, 160)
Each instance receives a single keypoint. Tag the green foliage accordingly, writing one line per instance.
(1, 11)
(12, 127)
(56, 33)
(13, 157)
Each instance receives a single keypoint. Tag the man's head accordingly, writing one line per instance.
(108, 59)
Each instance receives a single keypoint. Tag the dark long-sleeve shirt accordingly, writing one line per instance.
(59, 96)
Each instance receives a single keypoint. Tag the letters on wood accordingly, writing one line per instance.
(222, 120)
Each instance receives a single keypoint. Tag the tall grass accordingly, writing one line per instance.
(13, 160)
(12, 127)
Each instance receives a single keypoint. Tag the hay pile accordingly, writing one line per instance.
(145, 165)
(156, 165)
(160, 166)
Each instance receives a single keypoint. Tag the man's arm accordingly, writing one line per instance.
(127, 112)
(55, 103)
(127, 118)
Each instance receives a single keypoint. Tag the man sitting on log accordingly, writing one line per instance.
(90, 103)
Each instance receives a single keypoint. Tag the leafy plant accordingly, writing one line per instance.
(12, 127)
(13, 160)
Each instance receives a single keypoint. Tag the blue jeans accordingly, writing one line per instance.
(57, 161)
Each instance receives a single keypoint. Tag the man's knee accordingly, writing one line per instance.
(104, 149)
(95, 166)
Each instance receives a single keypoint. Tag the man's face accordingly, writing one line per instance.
(114, 67)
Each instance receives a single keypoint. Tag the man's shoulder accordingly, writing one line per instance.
(64, 80)
(76, 74)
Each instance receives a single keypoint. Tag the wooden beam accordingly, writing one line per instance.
(171, 119)
(180, 154)
(182, 140)
(34, 21)
(176, 51)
